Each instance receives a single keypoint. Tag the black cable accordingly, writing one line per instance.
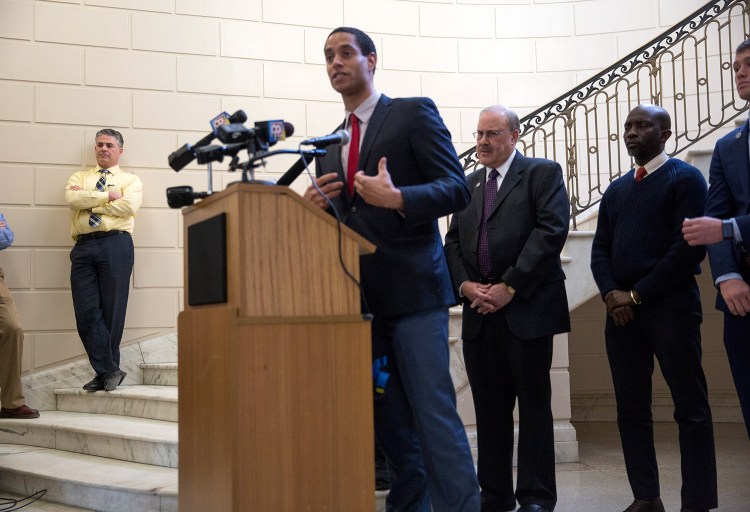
(9, 504)
(365, 306)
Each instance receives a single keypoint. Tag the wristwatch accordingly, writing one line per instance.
(727, 229)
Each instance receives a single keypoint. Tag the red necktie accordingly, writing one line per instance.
(640, 173)
(353, 162)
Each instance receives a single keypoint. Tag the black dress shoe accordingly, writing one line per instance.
(113, 379)
(654, 505)
(94, 385)
(533, 508)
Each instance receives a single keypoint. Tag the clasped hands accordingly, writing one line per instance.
(620, 306)
(487, 298)
(376, 190)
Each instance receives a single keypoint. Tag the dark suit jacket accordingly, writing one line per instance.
(729, 196)
(527, 230)
(743, 222)
(408, 272)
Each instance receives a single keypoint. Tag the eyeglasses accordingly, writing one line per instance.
(490, 134)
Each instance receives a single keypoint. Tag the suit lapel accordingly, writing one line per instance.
(332, 161)
(511, 179)
(382, 109)
(334, 155)
(477, 195)
(741, 150)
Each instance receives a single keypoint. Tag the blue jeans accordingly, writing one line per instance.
(416, 422)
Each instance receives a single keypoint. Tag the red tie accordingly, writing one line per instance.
(640, 173)
(353, 162)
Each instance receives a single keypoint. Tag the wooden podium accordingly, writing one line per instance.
(275, 380)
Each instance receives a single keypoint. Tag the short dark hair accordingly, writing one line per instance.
(366, 46)
(112, 133)
(743, 46)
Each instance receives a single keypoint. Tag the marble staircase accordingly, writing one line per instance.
(117, 451)
(106, 451)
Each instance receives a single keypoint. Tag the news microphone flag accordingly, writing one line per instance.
(275, 130)
(219, 121)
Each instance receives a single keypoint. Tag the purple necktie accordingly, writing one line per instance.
(483, 247)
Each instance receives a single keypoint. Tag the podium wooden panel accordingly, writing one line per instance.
(275, 410)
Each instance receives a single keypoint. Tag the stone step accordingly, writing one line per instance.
(141, 401)
(159, 374)
(87, 481)
(32, 504)
(124, 438)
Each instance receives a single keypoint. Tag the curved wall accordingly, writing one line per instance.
(159, 70)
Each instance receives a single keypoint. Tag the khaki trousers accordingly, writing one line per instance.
(11, 349)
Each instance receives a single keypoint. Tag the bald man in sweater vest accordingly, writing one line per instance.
(645, 272)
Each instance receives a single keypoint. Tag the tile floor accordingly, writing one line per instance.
(598, 482)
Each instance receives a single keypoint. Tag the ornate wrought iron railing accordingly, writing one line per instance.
(687, 70)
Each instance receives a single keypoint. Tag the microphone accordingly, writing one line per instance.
(339, 138)
(213, 153)
(294, 171)
(264, 132)
(183, 156)
(177, 197)
(274, 131)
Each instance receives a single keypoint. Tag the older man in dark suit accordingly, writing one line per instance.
(504, 255)
(391, 183)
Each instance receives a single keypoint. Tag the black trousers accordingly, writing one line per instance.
(502, 368)
(100, 280)
(737, 344)
(670, 330)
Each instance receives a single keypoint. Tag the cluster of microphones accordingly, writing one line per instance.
(235, 137)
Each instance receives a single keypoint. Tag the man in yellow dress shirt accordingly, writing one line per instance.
(103, 200)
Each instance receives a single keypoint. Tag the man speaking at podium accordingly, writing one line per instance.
(391, 183)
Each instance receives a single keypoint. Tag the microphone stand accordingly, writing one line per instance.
(209, 168)
(311, 153)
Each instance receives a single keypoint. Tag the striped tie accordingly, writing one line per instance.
(94, 219)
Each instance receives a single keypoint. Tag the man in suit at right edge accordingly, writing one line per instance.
(729, 201)
(503, 251)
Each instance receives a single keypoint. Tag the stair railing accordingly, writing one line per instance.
(687, 70)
